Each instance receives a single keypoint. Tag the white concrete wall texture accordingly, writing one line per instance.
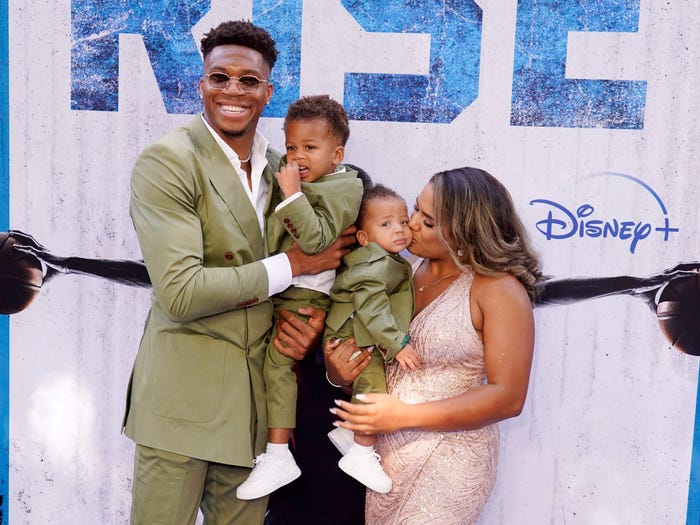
(586, 111)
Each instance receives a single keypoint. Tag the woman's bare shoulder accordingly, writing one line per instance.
(486, 288)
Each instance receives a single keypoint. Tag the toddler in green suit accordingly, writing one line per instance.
(319, 198)
(373, 302)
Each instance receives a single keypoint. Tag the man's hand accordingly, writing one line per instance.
(345, 361)
(295, 336)
(289, 179)
(328, 259)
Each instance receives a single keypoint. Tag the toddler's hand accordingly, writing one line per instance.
(289, 179)
(408, 358)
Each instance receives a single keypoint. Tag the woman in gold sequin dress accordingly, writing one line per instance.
(474, 331)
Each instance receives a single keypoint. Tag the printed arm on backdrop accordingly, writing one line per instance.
(568, 290)
(673, 296)
(122, 271)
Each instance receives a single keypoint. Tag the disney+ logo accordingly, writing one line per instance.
(563, 223)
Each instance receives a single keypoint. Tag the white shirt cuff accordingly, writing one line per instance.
(279, 273)
(289, 199)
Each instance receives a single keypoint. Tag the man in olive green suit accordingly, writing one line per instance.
(199, 199)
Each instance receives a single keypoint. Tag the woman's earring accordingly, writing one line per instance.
(460, 253)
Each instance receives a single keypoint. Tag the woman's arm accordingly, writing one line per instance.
(502, 313)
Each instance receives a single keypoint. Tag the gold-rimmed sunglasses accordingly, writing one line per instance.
(246, 83)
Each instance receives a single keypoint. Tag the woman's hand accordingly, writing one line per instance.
(378, 413)
(296, 337)
(341, 367)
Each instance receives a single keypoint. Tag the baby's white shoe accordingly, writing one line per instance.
(366, 469)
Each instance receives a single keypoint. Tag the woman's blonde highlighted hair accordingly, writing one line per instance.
(476, 218)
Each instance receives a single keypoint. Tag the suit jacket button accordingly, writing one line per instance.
(228, 256)
(286, 221)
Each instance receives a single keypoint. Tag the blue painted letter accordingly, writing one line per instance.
(542, 96)
(282, 19)
(165, 26)
(455, 47)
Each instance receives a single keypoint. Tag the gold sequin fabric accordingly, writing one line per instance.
(438, 477)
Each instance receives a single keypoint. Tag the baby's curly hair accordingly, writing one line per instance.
(240, 33)
(323, 107)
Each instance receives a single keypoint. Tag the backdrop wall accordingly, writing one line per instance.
(587, 111)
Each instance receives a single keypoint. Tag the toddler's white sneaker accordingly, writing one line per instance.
(268, 475)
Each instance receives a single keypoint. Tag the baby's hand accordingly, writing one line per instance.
(289, 179)
(408, 358)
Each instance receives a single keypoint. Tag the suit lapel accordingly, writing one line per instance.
(273, 199)
(228, 185)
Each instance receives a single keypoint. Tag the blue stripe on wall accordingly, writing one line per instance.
(693, 516)
(4, 222)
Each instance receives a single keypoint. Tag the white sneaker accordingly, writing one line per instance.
(366, 469)
(342, 438)
(268, 475)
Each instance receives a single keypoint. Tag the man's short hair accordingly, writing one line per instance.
(241, 33)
